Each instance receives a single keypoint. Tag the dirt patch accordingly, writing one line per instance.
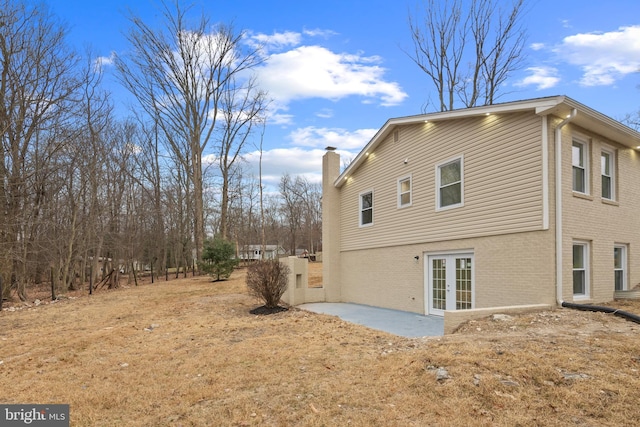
(264, 310)
(188, 352)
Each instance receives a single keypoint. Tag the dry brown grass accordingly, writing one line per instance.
(207, 361)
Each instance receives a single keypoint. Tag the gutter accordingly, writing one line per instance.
(558, 141)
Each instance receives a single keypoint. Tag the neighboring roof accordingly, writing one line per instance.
(266, 247)
(560, 106)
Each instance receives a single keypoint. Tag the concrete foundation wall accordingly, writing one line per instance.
(298, 291)
(509, 270)
(453, 319)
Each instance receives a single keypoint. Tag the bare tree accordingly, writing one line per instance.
(149, 172)
(242, 107)
(632, 120)
(37, 88)
(301, 208)
(468, 54)
(179, 75)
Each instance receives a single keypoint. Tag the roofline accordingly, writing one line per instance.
(559, 105)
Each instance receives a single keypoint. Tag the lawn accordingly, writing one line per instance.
(187, 352)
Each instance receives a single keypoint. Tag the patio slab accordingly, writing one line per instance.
(402, 323)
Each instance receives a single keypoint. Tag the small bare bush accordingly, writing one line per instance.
(267, 280)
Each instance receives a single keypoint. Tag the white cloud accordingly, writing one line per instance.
(537, 46)
(280, 119)
(103, 61)
(275, 41)
(321, 137)
(317, 72)
(294, 161)
(603, 57)
(541, 77)
(304, 156)
(320, 33)
(325, 113)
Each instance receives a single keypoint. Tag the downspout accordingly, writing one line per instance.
(558, 141)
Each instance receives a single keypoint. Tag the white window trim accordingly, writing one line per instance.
(438, 166)
(586, 161)
(360, 224)
(612, 168)
(586, 247)
(400, 193)
(625, 279)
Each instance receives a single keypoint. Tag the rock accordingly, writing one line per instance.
(37, 302)
(501, 317)
(476, 380)
(575, 376)
(124, 365)
(442, 374)
(499, 393)
(510, 383)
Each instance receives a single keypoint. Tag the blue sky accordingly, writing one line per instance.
(337, 70)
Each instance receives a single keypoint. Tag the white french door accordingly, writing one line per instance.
(449, 282)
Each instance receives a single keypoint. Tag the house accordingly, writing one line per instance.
(254, 252)
(517, 204)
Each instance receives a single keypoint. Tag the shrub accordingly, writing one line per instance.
(218, 258)
(267, 280)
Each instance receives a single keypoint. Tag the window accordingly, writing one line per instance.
(366, 208)
(404, 192)
(620, 267)
(608, 171)
(580, 269)
(580, 167)
(449, 179)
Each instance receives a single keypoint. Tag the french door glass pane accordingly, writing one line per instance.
(439, 285)
(463, 283)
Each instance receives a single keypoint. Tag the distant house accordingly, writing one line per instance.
(529, 202)
(254, 252)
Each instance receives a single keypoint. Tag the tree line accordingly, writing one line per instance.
(86, 191)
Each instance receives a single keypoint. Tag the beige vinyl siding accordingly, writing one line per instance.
(502, 182)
